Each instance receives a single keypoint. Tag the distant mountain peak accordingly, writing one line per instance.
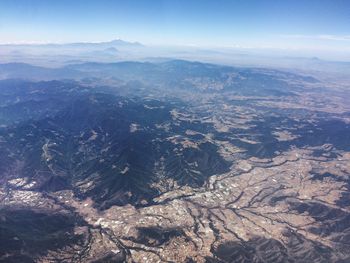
(119, 41)
(112, 43)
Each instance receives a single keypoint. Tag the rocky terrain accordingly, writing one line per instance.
(172, 162)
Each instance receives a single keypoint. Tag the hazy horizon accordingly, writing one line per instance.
(312, 28)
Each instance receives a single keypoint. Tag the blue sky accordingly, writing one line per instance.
(285, 24)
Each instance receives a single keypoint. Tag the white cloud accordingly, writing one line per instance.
(320, 37)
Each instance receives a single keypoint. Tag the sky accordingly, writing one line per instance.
(271, 24)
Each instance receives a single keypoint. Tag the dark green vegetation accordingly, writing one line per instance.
(88, 136)
(127, 133)
(25, 232)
